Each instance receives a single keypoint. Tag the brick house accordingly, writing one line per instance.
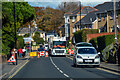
(72, 17)
(97, 19)
(105, 19)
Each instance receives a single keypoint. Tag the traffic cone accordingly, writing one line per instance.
(46, 54)
(38, 55)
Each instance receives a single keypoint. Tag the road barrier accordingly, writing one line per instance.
(46, 54)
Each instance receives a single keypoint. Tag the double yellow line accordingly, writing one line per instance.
(17, 71)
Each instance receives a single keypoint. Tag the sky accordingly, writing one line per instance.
(55, 3)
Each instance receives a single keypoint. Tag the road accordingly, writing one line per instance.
(59, 67)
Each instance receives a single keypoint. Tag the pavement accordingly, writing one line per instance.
(10, 68)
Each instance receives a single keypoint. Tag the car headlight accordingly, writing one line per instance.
(79, 56)
(97, 56)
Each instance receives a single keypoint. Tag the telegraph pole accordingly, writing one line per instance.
(80, 15)
(115, 28)
(15, 31)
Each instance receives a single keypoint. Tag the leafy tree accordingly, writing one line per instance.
(27, 35)
(23, 13)
(37, 38)
(20, 42)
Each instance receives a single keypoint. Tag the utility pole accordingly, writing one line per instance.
(15, 32)
(30, 37)
(115, 28)
(80, 15)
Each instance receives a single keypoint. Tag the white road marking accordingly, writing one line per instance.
(59, 69)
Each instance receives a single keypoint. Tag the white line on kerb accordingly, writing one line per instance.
(59, 68)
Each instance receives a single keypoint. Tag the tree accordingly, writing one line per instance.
(20, 42)
(69, 6)
(37, 38)
(23, 13)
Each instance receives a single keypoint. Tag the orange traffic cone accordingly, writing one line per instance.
(38, 55)
(46, 54)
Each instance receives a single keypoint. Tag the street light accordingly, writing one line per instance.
(30, 37)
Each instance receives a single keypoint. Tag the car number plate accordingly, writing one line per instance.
(88, 60)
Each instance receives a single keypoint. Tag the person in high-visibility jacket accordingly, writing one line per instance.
(71, 51)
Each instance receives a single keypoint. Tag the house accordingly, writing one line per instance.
(72, 17)
(51, 33)
(97, 19)
(105, 19)
(23, 31)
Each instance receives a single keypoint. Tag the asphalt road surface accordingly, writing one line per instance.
(60, 67)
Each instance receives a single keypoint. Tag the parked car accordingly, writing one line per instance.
(41, 51)
(46, 47)
(86, 56)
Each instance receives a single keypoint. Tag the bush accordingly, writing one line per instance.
(103, 41)
(80, 36)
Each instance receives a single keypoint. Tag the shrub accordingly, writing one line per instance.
(80, 36)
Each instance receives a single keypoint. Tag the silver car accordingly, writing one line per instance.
(86, 56)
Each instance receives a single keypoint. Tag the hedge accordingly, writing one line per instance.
(102, 41)
(80, 36)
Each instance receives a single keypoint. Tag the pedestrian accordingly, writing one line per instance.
(20, 52)
(24, 51)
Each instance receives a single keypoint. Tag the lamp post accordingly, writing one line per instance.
(115, 28)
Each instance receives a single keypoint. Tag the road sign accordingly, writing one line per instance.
(33, 54)
(12, 59)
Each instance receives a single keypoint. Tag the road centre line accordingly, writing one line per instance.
(59, 69)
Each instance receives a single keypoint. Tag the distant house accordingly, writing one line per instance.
(72, 17)
(23, 31)
(51, 33)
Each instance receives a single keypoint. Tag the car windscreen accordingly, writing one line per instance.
(83, 45)
(41, 49)
(87, 51)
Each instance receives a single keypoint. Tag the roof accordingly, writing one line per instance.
(107, 6)
(84, 10)
(88, 19)
(52, 32)
(91, 17)
(27, 30)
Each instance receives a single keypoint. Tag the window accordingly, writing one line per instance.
(99, 17)
(111, 15)
(73, 20)
(116, 13)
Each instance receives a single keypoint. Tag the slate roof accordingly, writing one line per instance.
(101, 8)
(84, 10)
(51, 32)
(27, 30)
